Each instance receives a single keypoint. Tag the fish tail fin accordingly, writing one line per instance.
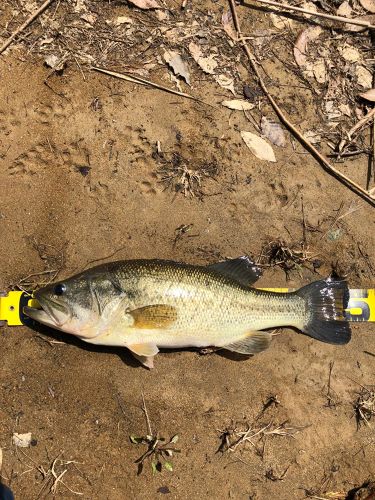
(326, 301)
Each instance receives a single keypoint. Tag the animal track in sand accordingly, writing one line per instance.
(8, 122)
(45, 114)
(75, 156)
(147, 188)
(34, 160)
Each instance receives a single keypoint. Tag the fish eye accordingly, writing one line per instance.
(60, 289)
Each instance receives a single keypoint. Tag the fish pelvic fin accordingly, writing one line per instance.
(253, 343)
(154, 316)
(144, 353)
(326, 301)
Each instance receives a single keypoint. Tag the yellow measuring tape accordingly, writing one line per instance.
(361, 305)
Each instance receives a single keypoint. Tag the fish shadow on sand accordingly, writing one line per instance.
(50, 334)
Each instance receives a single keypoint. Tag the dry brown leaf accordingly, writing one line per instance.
(364, 77)
(319, 71)
(344, 10)
(368, 5)
(226, 82)
(208, 64)
(89, 18)
(174, 60)
(311, 7)
(281, 23)
(369, 95)
(332, 110)
(272, 131)
(146, 4)
(312, 136)
(258, 146)
(238, 104)
(123, 20)
(228, 25)
(349, 53)
(22, 440)
(345, 109)
(300, 47)
(162, 15)
(80, 6)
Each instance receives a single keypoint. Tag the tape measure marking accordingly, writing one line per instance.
(361, 306)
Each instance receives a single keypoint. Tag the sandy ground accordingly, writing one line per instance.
(82, 403)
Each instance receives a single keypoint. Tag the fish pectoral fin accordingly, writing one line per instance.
(155, 316)
(144, 353)
(253, 343)
(243, 270)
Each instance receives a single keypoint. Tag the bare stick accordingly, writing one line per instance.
(142, 81)
(356, 22)
(330, 168)
(360, 123)
(144, 408)
(25, 25)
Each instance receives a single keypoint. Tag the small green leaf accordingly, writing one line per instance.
(154, 467)
(168, 466)
(135, 439)
(174, 439)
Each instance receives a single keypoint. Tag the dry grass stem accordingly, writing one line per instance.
(233, 438)
(142, 81)
(52, 477)
(179, 176)
(356, 22)
(288, 257)
(365, 406)
(355, 129)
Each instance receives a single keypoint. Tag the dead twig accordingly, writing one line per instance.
(142, 81)
(356, 22)
(352, 132)
(359, 190)
(232, 437)
(144, 409)
(364, 406)
(41, 9)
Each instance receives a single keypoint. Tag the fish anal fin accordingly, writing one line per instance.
(243, 270)
(144, 353)
(155, 316)
(253, 343)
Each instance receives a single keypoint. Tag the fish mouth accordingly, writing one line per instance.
(51, 313)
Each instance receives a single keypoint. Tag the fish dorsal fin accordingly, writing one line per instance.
(253, 343)
(155, 316)
(242, 269)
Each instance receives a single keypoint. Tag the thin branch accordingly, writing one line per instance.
(41, 9)
(356, 22)
(144, 408)
(142, 81)
(330, 168)
(356, 127)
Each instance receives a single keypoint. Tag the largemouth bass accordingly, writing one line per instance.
(147, 304)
